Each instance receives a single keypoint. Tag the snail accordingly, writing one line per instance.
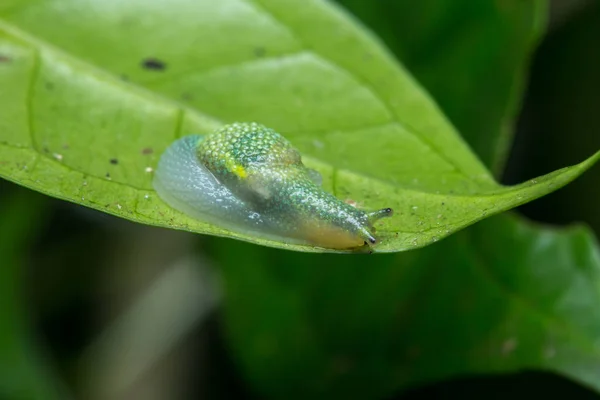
(248, 178)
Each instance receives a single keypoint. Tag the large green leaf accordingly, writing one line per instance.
(92, 93)
(453, 48)
(501, 296)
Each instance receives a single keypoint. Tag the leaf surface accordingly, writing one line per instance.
(88, 105)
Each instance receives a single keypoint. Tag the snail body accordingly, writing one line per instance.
(248, 178)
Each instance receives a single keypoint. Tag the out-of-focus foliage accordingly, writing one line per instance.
(24, 372)
(309, 326)
(563, 104)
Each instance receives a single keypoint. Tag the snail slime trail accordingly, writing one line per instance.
(249, 179)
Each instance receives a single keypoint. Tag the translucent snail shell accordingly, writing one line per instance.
(248, 178)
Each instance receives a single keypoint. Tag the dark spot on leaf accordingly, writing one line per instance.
(65, 146)
(107, 175)
(5, 58)
(124, 78)
(147, 150)
(49, 85)
(186, 96)
(154, 64)
(114, 161)
(443, 203)
(260, 52)
(46, 150)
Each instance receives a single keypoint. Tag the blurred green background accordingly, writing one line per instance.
(96, 307)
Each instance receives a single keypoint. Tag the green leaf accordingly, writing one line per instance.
(501, 296)
(453, 48)
(88, 105)
(24, 371)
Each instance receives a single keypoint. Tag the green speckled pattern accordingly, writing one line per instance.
(249, 145)
(262, 168)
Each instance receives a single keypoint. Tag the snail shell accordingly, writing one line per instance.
(248, 178)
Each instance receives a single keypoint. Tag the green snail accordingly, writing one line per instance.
(248, 178)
